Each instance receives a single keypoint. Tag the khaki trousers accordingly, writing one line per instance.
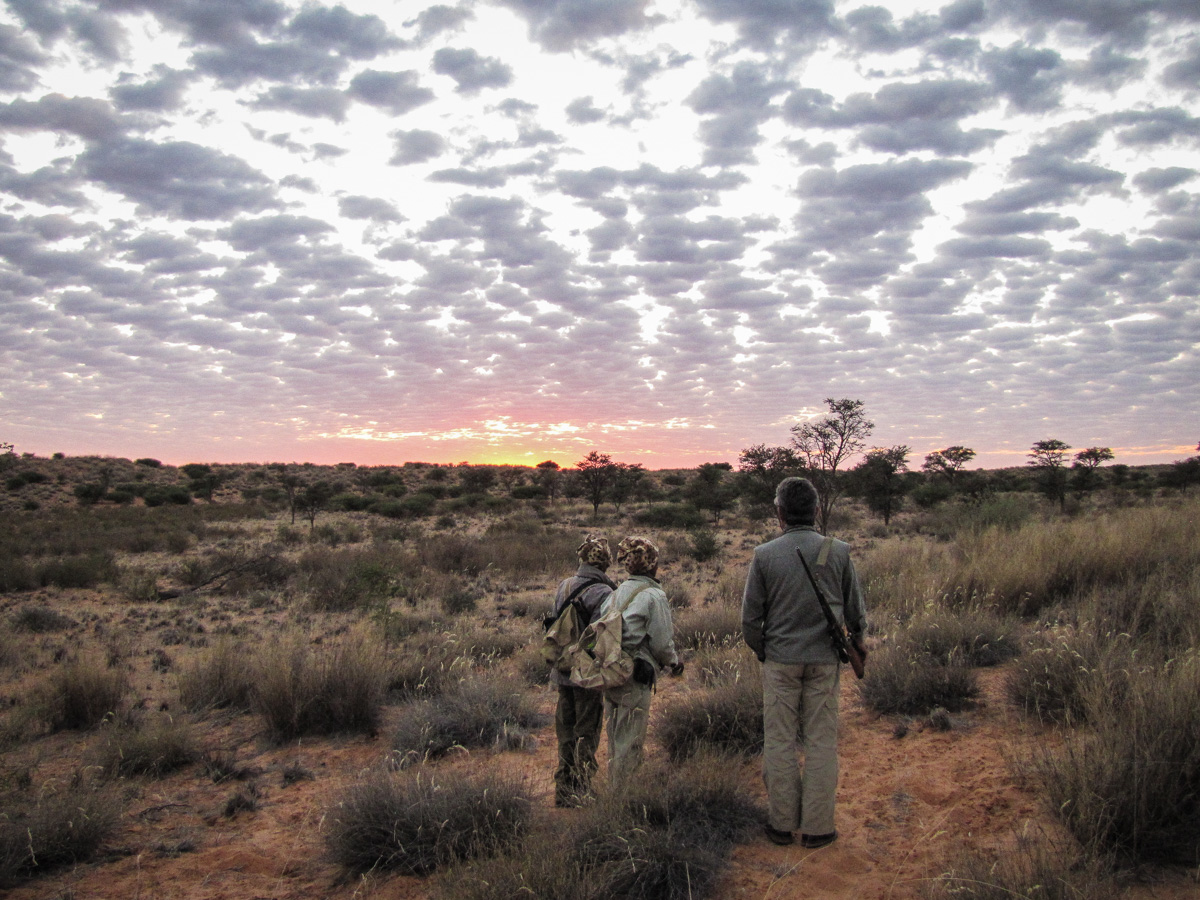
(626, 718)
(800, 703)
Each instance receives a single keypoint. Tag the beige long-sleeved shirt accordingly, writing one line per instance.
(647, 630)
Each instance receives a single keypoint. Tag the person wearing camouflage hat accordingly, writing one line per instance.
(648, 635)
(580, 712)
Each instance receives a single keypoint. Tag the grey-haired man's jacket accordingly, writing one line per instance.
(781, 618)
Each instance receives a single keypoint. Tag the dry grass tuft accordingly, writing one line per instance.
(415, 823)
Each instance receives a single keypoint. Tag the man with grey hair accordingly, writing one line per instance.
(782, 622)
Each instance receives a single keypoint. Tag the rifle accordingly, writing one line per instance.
(848, 649)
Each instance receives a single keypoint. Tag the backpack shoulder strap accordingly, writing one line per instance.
(637, 590)
(579, 590)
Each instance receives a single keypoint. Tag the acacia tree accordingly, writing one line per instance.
(879, 479)
(948, 463)
(313, 498)
(761, 468)
(827, 444)
(710, 491)
(625, 479)
(548, 475)
(596, 472)
(1085, 466)
(1048, 457)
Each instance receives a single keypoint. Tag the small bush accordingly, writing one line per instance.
(479, 712)
(83, 571)
(668, 838)
(724, 664)
(1038, 869)
(417, 823)
(460, 601)
(16, 574)
(63, 828)
(346, 579)
(40, 620)
(704, 545)
(670, 515)
(338, 687)
(1129, 786)
(677, 827)
(79, 694)
(973, 637)
(156, 748)
(222, 677)
(1051, 683)
(902, 682)
(710, 625)
(139, 585)
(89, 494)
(726, 718)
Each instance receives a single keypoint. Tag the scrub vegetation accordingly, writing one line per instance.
(189, 657)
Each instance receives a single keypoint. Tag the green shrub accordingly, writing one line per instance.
(480, 711)
(139, 585)
(335, 687)
(418, 504)
(167, 495)
(704, 545)
(79, 694)
(670, 515)
(902, 682)
(416, 823)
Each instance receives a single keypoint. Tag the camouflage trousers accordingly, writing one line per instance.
(800, 705)
(577, 723)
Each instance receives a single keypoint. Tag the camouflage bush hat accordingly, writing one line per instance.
(594, 551)
(638, 555)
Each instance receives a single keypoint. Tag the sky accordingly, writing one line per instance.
(519, 230)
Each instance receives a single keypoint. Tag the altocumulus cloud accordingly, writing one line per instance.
(520, 230)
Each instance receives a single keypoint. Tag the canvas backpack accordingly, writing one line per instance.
(566, 629)
(597, 659)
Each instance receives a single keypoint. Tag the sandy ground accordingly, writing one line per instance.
(904, 804)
